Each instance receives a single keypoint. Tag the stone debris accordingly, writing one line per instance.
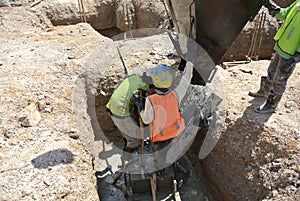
(31, 116)
(73, 134)
(290, 104)
(41, 105)
(40, 97)
(37, 110)
(4, 3)
(48, 110)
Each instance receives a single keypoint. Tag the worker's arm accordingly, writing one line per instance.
(285, 11)
(186, 78)
(147, 114)
(146, 110)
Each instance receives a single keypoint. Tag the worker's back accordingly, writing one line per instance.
(119, 103)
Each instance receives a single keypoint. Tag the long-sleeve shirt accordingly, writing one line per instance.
(147, 114)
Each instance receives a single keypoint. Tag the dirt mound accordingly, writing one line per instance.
(258, 155)
(46, 161)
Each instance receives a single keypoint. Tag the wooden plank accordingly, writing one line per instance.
(142, 137)
(153, 180)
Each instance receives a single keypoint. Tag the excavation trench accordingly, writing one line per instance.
(104, 74)
(196, 185)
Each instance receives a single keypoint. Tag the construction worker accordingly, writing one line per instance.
(161, 109)
(286, 57)
(120, 107)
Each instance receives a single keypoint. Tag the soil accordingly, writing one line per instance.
(47, 153)
(258, 155)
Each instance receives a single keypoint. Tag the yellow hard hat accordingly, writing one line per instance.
(161, 76)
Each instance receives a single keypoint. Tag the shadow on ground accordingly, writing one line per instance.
(53, 158)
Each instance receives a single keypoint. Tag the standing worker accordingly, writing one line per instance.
(161, 110)
(120, 107)
(286, 57)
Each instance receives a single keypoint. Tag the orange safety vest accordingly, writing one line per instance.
(167, 122)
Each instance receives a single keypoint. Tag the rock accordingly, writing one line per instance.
(74, 134)
(62, 185)
(40, 97)
(31, 116)
(27, 191)
(4, 3)
(274, 193)
(47, 182)
(107, 14)
(71, 57)
(157, 57)
(41, 105)
(298, 168)
(157, 47)
(48, 110)
(276, 164)
(289, 104)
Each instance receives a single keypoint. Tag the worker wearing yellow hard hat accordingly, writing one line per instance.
(161, 109)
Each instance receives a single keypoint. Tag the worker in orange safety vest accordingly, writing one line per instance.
(161, 109)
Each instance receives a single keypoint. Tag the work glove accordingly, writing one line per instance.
(136, 98)
(273, 8)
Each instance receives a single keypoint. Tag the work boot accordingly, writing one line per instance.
(270, 105)
(263, 91)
